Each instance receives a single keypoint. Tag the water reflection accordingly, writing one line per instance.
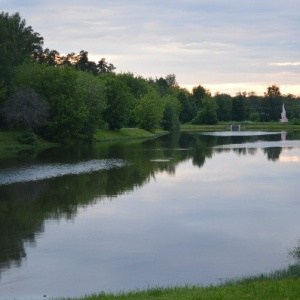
(40, 172)
(150, 179)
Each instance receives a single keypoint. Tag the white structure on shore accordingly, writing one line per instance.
(283, 115)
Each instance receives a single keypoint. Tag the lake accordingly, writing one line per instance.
(189, 208)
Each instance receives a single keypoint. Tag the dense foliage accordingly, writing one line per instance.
(64, 96)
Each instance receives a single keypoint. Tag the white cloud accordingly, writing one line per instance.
(204, 42)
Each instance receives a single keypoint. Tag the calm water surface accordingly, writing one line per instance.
(181, 209)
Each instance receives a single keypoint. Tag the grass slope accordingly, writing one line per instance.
(125, 133)
(9, 141)
(280, 284)
(265, 289)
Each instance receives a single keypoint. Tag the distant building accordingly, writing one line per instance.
(283, 115)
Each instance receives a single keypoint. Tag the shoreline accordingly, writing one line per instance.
(9, 140)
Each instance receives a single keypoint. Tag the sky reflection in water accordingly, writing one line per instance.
(236, 215)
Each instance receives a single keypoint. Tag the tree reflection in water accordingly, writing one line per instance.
(25, 206)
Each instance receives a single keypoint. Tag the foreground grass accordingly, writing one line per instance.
(266, 289)
(281, 284)
(284, 284)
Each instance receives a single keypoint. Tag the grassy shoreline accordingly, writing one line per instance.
(225, 126)
(276, 289)
(9, 140)
(104, 135)
(281, 284)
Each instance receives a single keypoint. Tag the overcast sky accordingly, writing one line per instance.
(223, 45)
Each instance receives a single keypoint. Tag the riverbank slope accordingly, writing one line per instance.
(11, 141)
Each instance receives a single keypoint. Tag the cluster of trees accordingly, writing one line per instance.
(62, 96)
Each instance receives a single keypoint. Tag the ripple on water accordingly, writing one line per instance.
(45, 171)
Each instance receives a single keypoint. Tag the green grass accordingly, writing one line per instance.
(125, 133)
(9, 142)
(280, 284)
(224, 126)
(264, 289)
(9, 139)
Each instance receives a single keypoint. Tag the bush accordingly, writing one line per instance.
(254, 117)
(28, 138)
(296, 121)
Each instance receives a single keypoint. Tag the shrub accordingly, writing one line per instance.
(28, 138)
(296, 121)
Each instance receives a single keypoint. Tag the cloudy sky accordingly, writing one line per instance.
(223, 45)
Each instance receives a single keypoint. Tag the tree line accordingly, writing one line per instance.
(63, 96)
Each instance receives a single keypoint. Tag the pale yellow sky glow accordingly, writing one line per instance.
(234, 88)
(285, 64)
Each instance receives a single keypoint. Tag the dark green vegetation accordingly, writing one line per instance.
(62, 97)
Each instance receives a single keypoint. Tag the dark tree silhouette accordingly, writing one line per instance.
(26, 109)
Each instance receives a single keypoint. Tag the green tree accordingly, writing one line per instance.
(58, 86)
(3, 95)
(149, 111)
(207, 114)
(186, 112)
(138, 87)
(238, 107)
(171, 113)
(198, 94)
(91, 91)
(272, 103)
(224, 107)
(295, 106)
(118, 98)
(253, 107)
(17, 42)
(162, 86)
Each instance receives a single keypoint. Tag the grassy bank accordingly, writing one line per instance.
(225, 126)
(10, 140)
(283, 284)
(125, 134)
(276, 289)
